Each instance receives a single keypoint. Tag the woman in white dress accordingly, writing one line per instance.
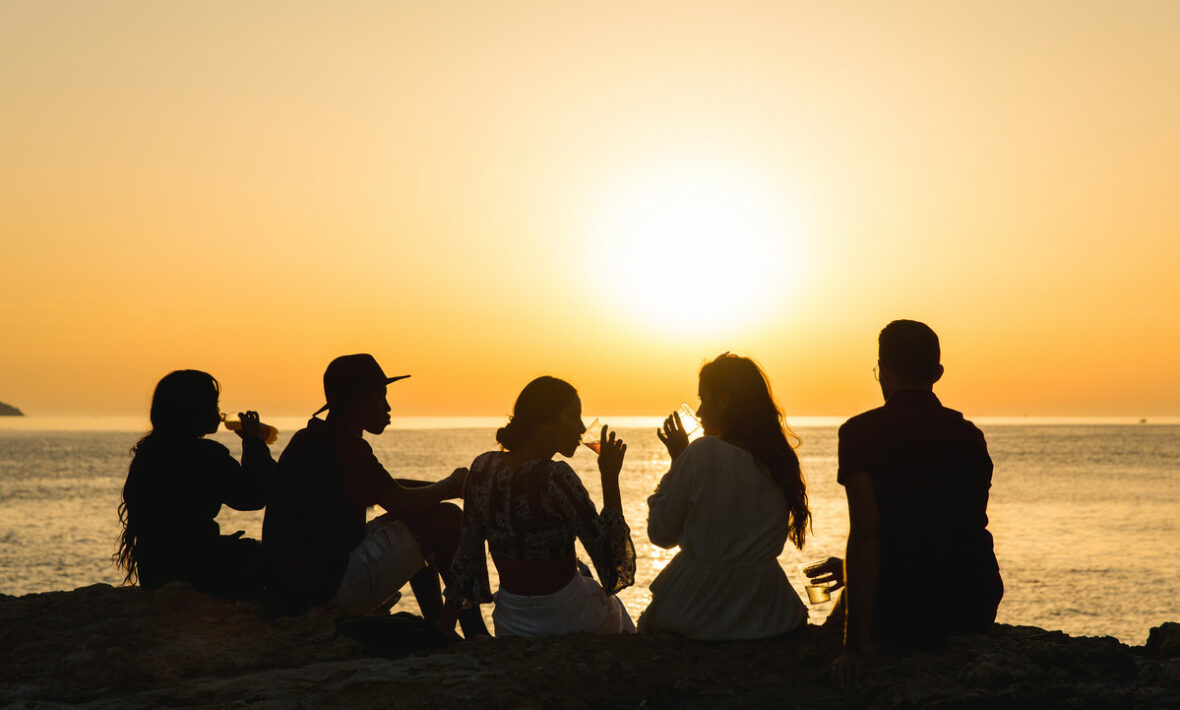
(730, 501)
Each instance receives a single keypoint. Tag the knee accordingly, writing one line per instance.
(439, 527)
(446, 521)
(449, 515)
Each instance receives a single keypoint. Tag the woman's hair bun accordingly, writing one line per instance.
(507, 435)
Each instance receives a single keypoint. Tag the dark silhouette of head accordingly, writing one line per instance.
(908, 356)
(539, 403)
(747, 416)
(355, 389)
(350, 378)
(185, 403)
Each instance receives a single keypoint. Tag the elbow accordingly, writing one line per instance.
(661, 538)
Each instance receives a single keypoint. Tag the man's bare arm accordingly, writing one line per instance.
(862, 564)
(409, 502)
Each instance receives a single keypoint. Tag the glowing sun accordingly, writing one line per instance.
(701, 249)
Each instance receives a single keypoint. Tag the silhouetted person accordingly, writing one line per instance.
(176, 485)
(319, 548)
(920, 564)
(731, 500)
(529, 508)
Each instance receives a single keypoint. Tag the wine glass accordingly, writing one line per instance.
(592, 437)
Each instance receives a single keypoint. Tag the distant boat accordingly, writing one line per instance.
(1143, 420)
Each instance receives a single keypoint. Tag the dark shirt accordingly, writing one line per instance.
(931, 473)
(175, 489)
(327, 479)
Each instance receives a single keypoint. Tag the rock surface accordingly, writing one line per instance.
(106, 647)
(7, 410)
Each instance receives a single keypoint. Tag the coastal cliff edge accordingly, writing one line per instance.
(102, 646)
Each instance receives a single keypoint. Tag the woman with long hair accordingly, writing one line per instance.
(731, 499)
(176, 484)
(529, 508)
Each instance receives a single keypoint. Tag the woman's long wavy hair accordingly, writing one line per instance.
(538, 403)
(754, 421)
(183, 406)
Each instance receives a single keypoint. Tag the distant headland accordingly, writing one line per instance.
(7, 410)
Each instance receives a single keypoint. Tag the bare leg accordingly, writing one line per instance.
(438, 536)
(428, 592)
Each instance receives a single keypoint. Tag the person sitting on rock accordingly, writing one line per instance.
(529, 509)
(318, 547)
(176, 484)
(730, 501)
(917, 477)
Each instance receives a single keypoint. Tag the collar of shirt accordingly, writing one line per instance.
(911, 398)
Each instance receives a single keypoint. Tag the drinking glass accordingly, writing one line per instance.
(592, 437)
(269, 434)
(690, 421)
(816, 593)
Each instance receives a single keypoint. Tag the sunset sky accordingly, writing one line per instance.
(478, 193)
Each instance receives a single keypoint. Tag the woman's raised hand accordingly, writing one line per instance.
(673, 435)
(610, 458)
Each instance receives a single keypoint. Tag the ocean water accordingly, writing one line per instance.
(1085, 516)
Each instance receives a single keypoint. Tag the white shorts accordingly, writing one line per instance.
(581, 605)
(378, 566)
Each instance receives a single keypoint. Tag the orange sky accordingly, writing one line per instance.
(479, 193)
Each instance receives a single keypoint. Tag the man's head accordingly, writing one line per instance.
(908, 357)
(354, 386)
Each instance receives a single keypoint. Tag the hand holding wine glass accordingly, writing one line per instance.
(673, 435)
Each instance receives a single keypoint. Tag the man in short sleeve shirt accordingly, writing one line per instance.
(920, 564)
(317, 545)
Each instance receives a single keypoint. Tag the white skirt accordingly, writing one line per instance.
(581, 605)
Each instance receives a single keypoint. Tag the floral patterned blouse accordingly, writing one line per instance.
(534, 513)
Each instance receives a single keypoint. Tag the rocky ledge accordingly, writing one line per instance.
(102, 646)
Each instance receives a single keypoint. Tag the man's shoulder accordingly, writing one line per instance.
(954, 418)
(863, 420)
(318, 434)
(309, 437)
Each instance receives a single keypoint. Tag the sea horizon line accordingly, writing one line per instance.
(290, 423)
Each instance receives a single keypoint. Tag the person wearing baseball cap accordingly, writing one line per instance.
(318, 548)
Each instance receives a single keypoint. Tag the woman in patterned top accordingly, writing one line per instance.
(529, 509)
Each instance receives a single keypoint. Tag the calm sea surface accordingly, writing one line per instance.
(1086, 517)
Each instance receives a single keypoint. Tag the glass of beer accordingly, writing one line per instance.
(817, 592)
(268, 433)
